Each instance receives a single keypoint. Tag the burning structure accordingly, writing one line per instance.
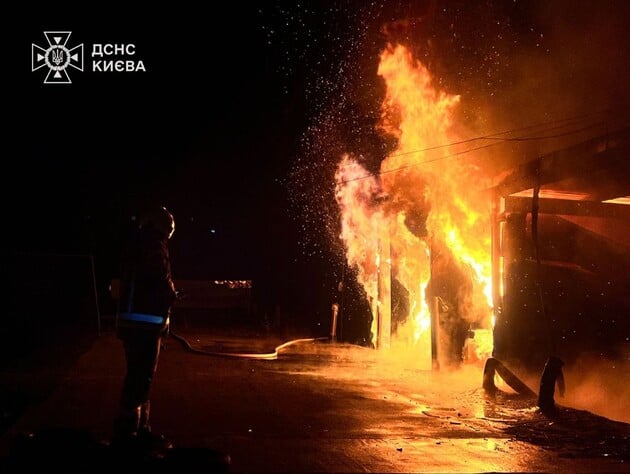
(457, 267)
(560, 253)
(421, 227)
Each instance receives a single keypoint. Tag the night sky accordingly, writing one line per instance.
(201, 132)
(209, 131)
(192, 132)
(229, 126)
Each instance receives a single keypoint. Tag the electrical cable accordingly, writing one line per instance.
(240, 355)
(497, 141)
(496, 137)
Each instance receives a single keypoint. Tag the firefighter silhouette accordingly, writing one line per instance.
(147, 295)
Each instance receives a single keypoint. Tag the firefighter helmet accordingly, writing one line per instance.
(160, 219)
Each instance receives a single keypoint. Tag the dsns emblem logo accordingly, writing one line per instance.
(57, 57)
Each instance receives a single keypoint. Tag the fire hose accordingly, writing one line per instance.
(264, 356)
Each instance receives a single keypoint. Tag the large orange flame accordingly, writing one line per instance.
(422, 199)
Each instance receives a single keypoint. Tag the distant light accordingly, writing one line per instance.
(233, 284)
(133, 218)
(212, 231)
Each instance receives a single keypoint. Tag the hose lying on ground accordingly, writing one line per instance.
(265, 356)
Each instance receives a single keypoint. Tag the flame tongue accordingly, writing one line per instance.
(432, 202)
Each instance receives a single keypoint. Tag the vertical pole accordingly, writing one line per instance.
(333, 324)
(497, 262)
(434, 310)
(384, 305)
(435, 318)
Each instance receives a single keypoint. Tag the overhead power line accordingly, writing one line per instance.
(497, 140)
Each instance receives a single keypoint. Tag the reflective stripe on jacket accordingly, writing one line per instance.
(145, 318)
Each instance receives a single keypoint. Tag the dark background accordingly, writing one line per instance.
(242, 115)
(209, 131)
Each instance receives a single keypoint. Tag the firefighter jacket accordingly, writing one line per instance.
(147, 289)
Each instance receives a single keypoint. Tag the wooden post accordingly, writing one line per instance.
(384, 304)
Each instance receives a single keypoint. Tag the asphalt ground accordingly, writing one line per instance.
(316, 407)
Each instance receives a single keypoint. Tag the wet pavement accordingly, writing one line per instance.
(319, 407)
